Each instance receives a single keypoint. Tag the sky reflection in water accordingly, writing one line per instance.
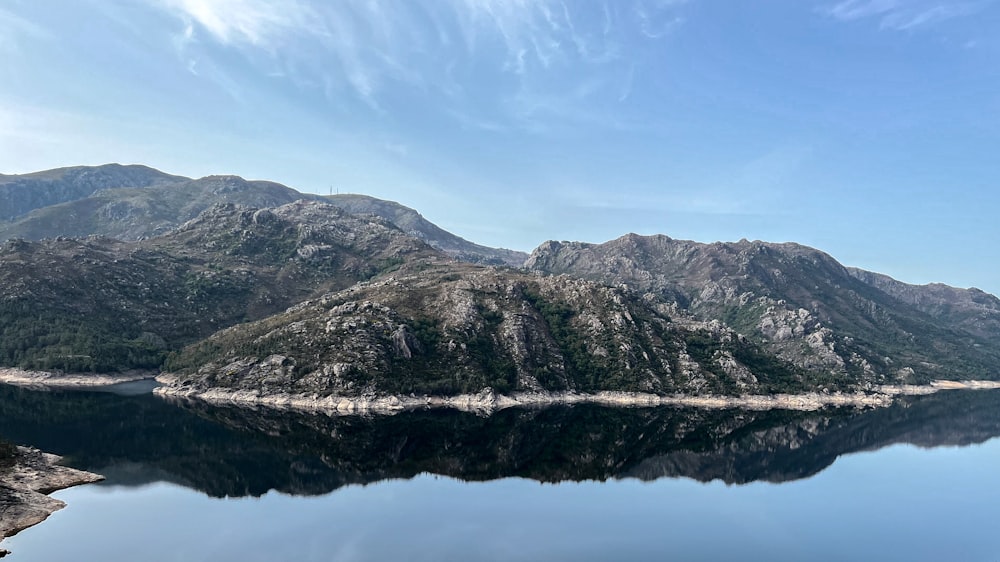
(901, 503)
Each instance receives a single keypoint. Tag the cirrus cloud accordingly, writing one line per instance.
(902, 15)
(365, 48)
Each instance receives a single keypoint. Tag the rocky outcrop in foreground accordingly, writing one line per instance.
(23, 489)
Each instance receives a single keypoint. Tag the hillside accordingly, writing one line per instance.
(414, 224)
(796, 301)
(99, 304)
(136, 202)
(970, 310)
(21, 194)
(460, 329)
(134, 214)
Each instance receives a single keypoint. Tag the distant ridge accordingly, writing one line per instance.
(799, 303)
(21, 194)
(972, 310)
(136, 202)
(136, 213)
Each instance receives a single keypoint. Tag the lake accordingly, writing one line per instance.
(188, 481)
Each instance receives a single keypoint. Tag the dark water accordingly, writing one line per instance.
(187, 481)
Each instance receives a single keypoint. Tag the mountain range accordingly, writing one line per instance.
(135, 202)
(254, 287)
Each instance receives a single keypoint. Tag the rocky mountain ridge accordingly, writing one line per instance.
(135, 202)
(971, 310)
(132, 214)
(457, 329)
(797, 302)
(299, 297)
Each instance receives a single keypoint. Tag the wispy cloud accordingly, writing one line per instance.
(295, 39)
(656, 22)
(455, 48)
(256, 22)
(902, 15)
(538, 34)
(772, 171)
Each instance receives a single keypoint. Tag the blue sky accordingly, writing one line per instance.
(867, 128)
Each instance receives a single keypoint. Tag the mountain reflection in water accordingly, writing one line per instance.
(227, 451)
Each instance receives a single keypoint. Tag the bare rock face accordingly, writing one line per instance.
(23, 489)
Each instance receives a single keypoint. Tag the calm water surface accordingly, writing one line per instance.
(917, 481)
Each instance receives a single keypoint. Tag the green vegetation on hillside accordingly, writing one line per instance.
(8, 454)
(100, 305)
(48, 341)
(580, 364)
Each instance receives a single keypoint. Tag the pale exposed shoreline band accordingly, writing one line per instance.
(488, 400)
(21, 377)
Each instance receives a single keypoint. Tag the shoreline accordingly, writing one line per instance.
(487, 401)
(24, 489)
(47, 379)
